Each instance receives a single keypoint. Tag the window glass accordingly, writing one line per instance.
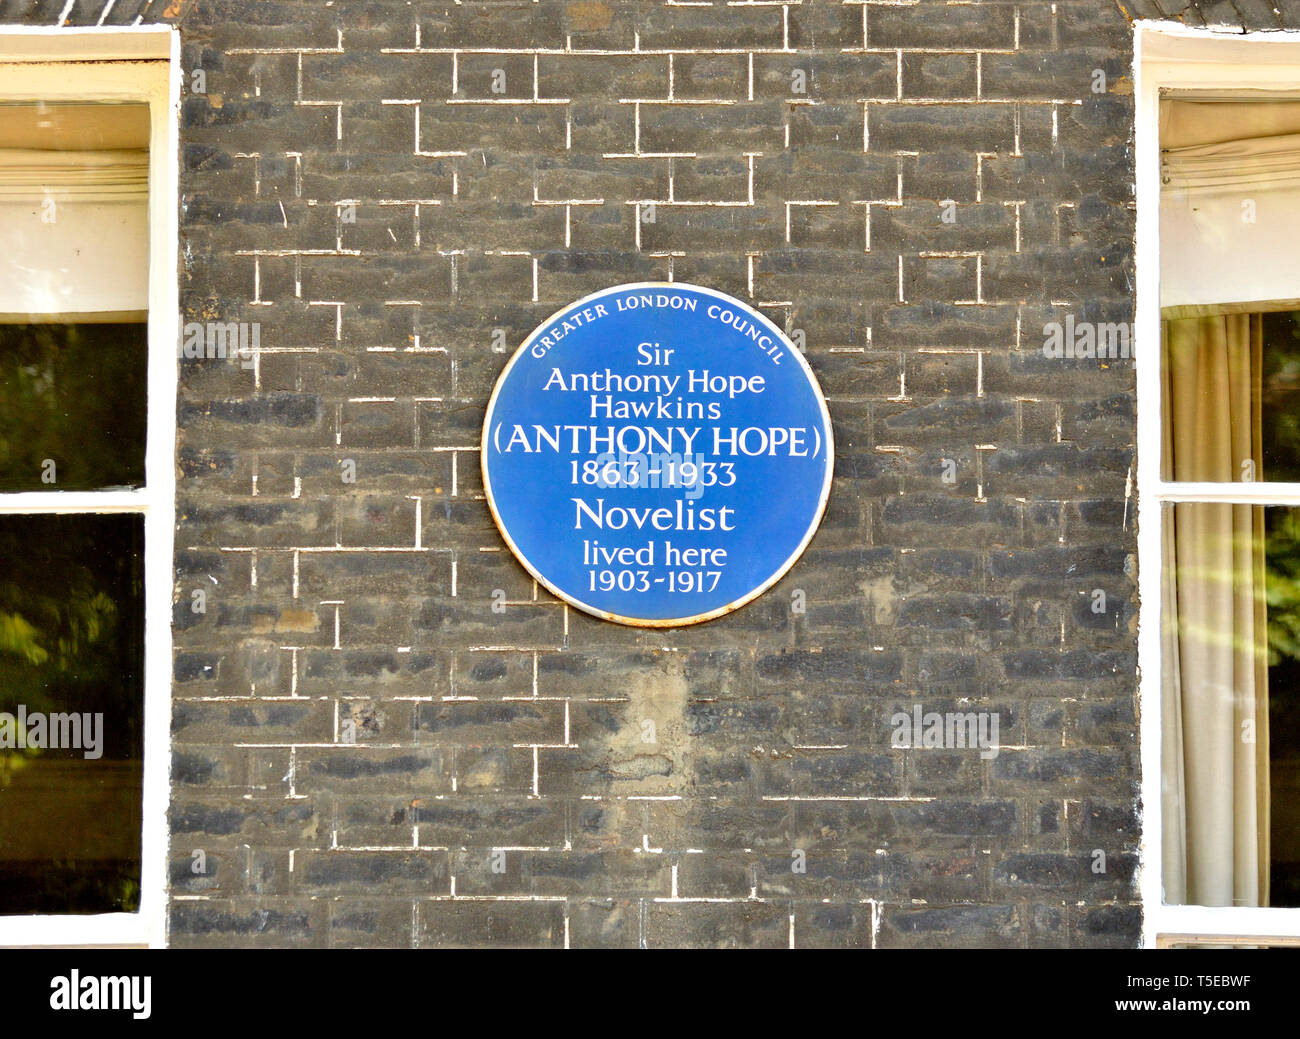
(75, 316)
(1282, 595)
(71, 712)
(1231, 725)
(1232, 397)
(74, 220)
(72, 406)
(1281, 397)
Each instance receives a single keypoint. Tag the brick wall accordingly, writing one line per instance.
(369, 753)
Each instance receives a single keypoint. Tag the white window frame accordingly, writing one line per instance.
(141, 63)
(1171, 57)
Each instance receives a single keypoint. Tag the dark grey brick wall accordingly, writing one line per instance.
(370, 754)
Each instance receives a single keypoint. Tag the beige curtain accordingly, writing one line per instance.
(1191, 123)
(74, 214)
(1215, 684)
(1229, 174)
(118, 176)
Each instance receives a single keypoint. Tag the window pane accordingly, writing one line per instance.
(1281, 396)
(74, 277)
(74, 220)
(72, 406)
(71, 713)
(1212, 373)
(1282, 554)
(1232, 397)
(1231, 705)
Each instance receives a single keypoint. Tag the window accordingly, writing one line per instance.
(88, 311)
(1218, 368)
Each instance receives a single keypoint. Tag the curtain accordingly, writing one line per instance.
(87, 176)
(1228, 219)
(74, 214)
(1215, 777)
(79, 221)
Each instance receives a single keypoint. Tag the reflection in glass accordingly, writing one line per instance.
(71, 712)
(72, 406)
(1282, 554)
(1281, 396)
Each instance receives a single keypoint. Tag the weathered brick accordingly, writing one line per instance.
(773, 725)
(472, 922)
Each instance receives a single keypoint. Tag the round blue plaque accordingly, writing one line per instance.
(657, 454)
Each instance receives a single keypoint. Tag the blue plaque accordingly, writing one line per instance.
(657, 454)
